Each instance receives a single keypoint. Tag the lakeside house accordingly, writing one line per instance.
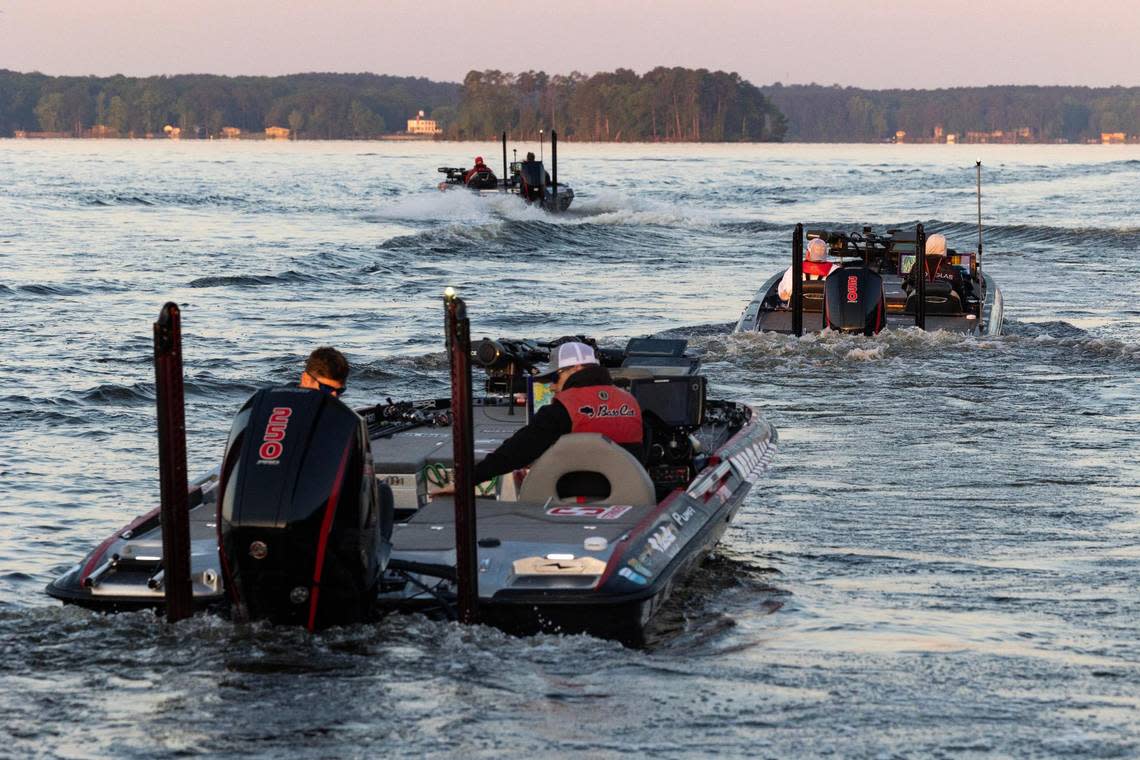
(276, 133)
(422, 126)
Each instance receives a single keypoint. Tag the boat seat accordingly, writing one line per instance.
(574, 465)
(813, 295)
(941, 299)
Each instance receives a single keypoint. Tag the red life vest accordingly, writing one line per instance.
(603, 409)
(817, 269)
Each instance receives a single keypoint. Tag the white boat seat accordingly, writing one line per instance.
(594, 455)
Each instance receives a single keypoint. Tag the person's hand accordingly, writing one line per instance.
(445, 490)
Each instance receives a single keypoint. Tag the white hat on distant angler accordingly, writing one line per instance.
(569, 355)
(817, 250)
(936, 245)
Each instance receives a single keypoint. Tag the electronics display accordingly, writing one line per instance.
(678, 401)
(538, 395)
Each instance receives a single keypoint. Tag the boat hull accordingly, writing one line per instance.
(624, 561)
(765, 313)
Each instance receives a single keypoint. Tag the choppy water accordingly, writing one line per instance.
(944, 562)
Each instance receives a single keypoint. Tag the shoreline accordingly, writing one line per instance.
(412, 139)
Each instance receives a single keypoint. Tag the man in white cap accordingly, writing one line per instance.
(585, 401)
(816, 267)
(938, 266)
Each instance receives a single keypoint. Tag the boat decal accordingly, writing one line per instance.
(326, 528)
(272, 446)
(634, 576)
(600, 512)
(546, 566)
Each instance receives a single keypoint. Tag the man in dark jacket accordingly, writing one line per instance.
(585, 401)
(474, 171)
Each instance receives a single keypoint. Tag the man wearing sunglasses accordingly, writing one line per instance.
(327, 371)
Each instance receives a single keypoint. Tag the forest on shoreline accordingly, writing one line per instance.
(664, 104)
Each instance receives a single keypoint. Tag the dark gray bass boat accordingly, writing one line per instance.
(527, 179)
(879, 281)
(320, 515)
(875, 285)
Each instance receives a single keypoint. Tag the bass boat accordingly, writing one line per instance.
(878, 281)
(320, 514)
(527, 179)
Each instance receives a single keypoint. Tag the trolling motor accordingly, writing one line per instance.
(304, 528)
(509, 362)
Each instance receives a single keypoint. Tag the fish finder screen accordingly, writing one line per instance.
(906, 264)
(538, 395)
(676, 400)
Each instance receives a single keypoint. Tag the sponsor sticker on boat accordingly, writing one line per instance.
(600, 512)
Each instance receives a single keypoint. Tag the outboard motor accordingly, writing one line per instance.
(532, 177)
(854, 301)
(303, 525)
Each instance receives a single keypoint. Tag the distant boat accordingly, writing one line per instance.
(528, 179)
(873, 285)
(877, 281)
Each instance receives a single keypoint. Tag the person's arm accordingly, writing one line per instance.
(549, 424)
(785, 289)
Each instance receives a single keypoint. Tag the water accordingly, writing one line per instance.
(943, 562)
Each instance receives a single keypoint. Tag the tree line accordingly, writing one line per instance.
(848, 114)
(666, 104)
(328, 106)
(671, 104)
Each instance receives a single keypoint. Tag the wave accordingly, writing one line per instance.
(250, 280)
(1012, 234)
(115, 393)
(608, 208)
(161, 199)
(533, 237)
(49, 290)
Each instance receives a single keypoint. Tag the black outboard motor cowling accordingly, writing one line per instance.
(533, 181)
(854, 300)
(303, 525)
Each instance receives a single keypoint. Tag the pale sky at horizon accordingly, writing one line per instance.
(864, 43)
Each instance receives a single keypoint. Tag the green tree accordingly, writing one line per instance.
(118, 118)
(364, 122)
(49, 112)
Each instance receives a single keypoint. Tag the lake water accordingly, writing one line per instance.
(943, 562)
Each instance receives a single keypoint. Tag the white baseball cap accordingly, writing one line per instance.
(569, 355)
(936, 245)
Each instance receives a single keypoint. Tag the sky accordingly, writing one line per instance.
(864, 43)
